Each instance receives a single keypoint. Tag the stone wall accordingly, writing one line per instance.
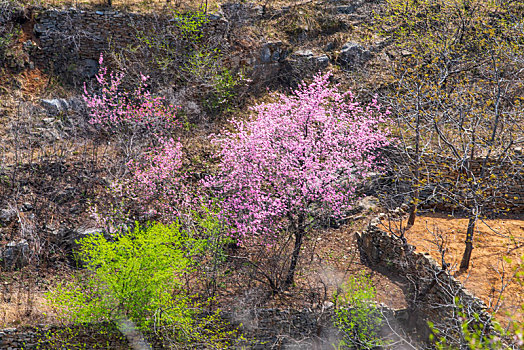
(71, 41)
(439, 174)
(506, 177)
(49, 337)
(261, 328)
(431, 293)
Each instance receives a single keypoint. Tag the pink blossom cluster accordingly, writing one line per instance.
(120, 110)
(157, 179)
(299, 157)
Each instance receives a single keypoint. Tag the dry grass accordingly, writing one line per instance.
(22, 297)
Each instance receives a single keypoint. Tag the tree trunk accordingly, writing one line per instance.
(299, 235)
(464, 264)
(413, 212)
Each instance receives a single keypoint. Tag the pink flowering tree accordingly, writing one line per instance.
(131, 116)
(143, 126)
(295, 162)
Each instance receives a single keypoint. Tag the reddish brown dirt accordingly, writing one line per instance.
(338, 257)
(497, 255)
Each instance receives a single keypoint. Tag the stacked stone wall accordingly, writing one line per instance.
(432, 294)
(502, 184)
(71, 41)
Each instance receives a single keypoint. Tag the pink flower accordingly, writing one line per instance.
(300, 156)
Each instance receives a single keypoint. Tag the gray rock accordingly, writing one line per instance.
(265, 54)
(346, 10)
(68, 239)
(353, 54)
(15, 255)
(88, 68)
(7, 216)
(303, 54)
(272, 52)
(329, 47)
(26, 207)
(322, 61)
(82, 232)
(57, 106)
(215, 16)
(307, 60)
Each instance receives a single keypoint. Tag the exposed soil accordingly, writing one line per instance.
(497, 255)
(339, 258)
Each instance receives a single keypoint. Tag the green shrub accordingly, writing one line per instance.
(79, 337)
(180, 37)
(138, 276)
(357, 316)
(191, 24)
(223, 95)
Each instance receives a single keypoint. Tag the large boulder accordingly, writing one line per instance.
(67, 239)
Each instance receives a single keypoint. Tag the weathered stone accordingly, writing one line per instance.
(398, 260)
(55, 106)
(265, 54)
(346, 10)
(329, 46)
(60, 105)
(26, 207)
(68, 239)
(15, 255)
(322, 61)
(303, 54)
(353, 54)
(88, 68)
(272, 52)
(7, 216)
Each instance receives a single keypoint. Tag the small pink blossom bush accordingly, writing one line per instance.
(157, 180)
(121, 111)
(297, 160)
(155, 188)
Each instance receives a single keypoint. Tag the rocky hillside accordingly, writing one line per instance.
(446, 75)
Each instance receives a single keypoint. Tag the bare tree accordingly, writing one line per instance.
(458, 72)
